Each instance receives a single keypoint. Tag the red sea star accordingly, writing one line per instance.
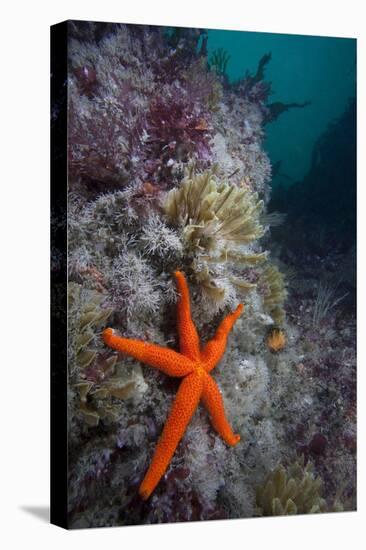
(193, 365)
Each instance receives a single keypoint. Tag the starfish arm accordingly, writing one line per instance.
(212, 400)
(166, 360)
(188, 338)
(215, 348)
(183, 408)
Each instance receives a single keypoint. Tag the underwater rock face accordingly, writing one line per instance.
(148, 119)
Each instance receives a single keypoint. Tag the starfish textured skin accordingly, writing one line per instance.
(193, 364)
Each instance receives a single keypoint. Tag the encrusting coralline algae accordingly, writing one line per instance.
(150, 127)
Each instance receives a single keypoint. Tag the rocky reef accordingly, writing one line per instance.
(167, 171)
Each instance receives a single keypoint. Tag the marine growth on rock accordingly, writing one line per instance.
(168, 173)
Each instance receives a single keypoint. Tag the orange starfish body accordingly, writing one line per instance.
(193, 365)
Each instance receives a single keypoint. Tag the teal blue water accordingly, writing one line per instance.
(319, 69)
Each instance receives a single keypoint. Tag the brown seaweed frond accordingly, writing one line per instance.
(275, 293)
(293, 490)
